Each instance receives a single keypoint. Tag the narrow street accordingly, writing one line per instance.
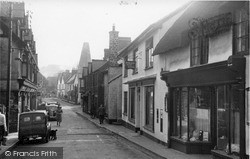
(82, 139)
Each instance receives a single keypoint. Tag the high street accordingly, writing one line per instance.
(82, 139)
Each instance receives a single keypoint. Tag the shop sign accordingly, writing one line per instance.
(209, 27)
(130, 64)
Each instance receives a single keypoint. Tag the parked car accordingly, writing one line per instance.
(34, 124)
(51, 110)
(52, 103)
(41, 106)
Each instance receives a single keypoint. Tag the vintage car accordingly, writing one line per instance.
(53, 103)
(34, 124)
(51, 110)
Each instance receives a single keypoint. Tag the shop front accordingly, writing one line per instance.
(206, 107)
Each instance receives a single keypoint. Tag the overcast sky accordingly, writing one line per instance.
(61, 27)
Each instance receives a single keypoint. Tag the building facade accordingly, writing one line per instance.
(143, 91)
(23, 64)
(206, 72)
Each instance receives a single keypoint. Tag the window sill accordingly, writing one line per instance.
(148, 68)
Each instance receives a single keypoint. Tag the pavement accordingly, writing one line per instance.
(12, 141)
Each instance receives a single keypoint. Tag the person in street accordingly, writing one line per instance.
(59, 115)
(101, 113)
(3, 128)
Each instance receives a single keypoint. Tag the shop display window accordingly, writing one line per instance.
(192, 114)
(199, 114)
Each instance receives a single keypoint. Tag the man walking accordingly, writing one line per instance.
(101, 113)
(3, 127)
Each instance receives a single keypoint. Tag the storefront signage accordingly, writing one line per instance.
(130, 64)
(211, 26)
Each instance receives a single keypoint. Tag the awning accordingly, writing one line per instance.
(230, 71)
(177, 35)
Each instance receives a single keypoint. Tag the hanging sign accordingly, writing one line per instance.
(130, 64)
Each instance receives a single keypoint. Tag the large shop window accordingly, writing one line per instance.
(132, 104)
(242, 31)
(149, 101)
(192, 113)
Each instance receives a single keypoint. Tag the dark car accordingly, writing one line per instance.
(51, 110)
(34, 124)
(53, 103)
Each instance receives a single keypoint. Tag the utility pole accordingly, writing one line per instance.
(8, 90)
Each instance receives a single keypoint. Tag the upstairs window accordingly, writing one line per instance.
(136, 59)
(125, 69)
(149, 52)
(241, 38)
(199, 50)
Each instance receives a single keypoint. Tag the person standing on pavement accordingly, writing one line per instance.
(59, 115)
(101, 113)
(3, 127)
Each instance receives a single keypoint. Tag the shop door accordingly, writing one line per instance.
(228, 118)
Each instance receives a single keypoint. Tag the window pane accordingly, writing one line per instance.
(125, 102)
(235, 121)
(149, 106)
(176, 120)
(222, 117)
(199, 114)
(184, 121)
(132, 103)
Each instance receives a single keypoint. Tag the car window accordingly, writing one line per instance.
(38, 118)
(26, 119)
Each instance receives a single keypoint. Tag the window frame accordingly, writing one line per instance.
(148, 52)
(199, 50)
(125, 73)
(239, 23)
(135, 59)
(132, 109)
(147, 109)
(125, 103)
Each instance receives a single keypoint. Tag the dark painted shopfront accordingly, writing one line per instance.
(206, 107)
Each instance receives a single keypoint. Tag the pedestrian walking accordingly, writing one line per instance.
(101, 113)
(59, 115)
(3, 128)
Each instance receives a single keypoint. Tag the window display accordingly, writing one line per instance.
(194, 126)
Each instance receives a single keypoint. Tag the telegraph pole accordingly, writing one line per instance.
(9, 64)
